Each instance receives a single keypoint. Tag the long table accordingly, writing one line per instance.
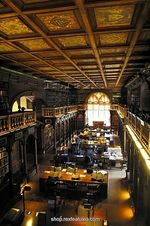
(80, 176)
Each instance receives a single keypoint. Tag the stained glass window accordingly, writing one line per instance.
(98, 109)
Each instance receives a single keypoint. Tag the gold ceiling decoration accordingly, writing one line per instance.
(5, 47)
(113, 50)
(72, 41)
(14, 26)
(35, 44)
(114, 16)
(113, 38)
(59, 21)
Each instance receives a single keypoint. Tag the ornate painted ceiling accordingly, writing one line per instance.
(86, 43)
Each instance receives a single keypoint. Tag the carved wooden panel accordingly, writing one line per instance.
(113, 38)
(114, 16)
(14, 26)
(73, 41)
(6, 48)
(35, 44)
(59, 21)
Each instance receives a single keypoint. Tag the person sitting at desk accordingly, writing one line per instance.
(87, 160)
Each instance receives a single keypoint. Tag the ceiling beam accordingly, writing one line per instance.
(77, 33)
(88, 29)
(15, 8)
(20, 63)
(141, 20)
(37, 58)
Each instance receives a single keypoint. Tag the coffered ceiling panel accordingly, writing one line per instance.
(112, 59)
(20, 56)
(80, 52)
(14, 26)
(113, 38)
(114, 16)
(112, 70)
(88, 66)
(145, 36)
(35, 44)
(47, 54)
(6, 48)
(113, 50)
(33, 63)
(59, 61)
(85, 60)
(66, 67)
(45, 68)
(73, 41)
(59, 21)
(94, 44)
(112, 65)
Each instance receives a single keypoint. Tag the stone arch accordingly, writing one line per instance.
(34, 93)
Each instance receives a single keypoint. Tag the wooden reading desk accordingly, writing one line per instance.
(79, 176)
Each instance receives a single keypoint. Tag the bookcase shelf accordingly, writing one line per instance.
(4, 164)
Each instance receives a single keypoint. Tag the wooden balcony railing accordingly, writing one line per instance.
(140, 128)
(16, 120)
(59, 111)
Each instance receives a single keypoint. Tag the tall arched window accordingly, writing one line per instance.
(98, 109)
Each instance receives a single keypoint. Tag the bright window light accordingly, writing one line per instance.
(98, 109)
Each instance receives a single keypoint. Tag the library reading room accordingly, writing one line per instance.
(75, 113)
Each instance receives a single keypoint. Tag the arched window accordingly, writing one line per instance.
(98, 109)
(25, 102)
